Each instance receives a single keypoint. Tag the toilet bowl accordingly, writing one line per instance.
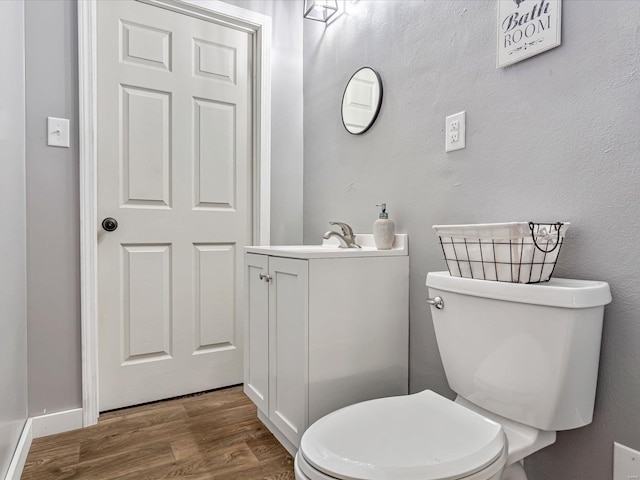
(422, 436)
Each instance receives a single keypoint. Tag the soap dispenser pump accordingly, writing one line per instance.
(384, 230)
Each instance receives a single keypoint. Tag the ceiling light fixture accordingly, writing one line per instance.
(320, 10)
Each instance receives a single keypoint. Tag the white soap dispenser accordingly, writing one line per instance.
(384, 230)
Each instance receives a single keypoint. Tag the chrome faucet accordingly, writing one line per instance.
(347, 239)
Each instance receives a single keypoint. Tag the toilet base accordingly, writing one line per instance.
(514, 472)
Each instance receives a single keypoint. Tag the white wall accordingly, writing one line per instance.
(553, 138)
(13, 315)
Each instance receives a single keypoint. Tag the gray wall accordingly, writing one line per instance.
(53, 228)
(554, 137)
(52, 185)
(13, 301)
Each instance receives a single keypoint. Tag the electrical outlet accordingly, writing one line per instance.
(626, 463)
(455, 132)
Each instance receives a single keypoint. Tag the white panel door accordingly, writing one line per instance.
(288, 343)
(174, 170)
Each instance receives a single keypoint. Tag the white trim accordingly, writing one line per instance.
(20, 455)
(58, 422)
(259, 26)
(87, 83)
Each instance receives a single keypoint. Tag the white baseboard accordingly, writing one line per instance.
(20, 455)
(58, 422)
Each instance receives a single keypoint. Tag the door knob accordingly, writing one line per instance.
(264, 277)
(109, 224)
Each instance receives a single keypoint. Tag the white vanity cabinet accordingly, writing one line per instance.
(324, 328)
(276, 341)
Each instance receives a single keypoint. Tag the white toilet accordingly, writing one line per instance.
(523, 360)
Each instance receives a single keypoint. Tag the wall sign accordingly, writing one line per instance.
(527, 28)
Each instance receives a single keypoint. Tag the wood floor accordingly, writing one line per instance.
(215, 435)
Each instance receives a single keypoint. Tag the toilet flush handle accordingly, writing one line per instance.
(437, 302)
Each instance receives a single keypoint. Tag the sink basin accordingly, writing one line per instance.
(331, 249)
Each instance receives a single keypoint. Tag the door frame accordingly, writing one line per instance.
(259, 27)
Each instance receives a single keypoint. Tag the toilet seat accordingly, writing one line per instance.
(421, 436)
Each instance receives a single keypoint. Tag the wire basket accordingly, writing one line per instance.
(517, 252)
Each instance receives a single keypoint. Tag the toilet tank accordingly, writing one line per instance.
(528, 352)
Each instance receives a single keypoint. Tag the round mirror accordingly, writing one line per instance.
(361, 101)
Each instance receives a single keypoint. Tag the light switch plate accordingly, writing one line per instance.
(626, 463)
(455, 132)
(58, 132)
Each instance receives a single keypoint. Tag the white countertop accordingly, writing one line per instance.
(330, 249)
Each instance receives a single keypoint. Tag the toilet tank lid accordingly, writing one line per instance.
(557, 292)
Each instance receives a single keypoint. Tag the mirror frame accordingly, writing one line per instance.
(378, 106)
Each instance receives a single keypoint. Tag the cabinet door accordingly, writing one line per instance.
(288, 346)
(256, 360)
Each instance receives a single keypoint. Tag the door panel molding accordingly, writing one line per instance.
(259, 26)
